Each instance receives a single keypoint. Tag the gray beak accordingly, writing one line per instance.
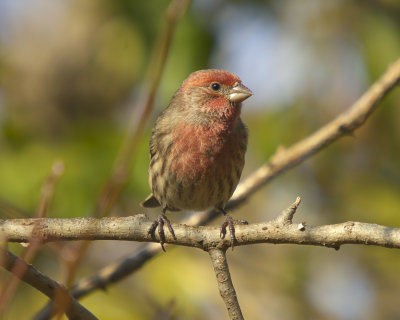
(239, 93)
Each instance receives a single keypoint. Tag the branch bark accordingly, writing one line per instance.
(56, 292)
(225, 285)
(279, 230)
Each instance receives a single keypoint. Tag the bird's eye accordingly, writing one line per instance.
(215, 86)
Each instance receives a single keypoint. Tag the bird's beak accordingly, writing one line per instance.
(239, 93)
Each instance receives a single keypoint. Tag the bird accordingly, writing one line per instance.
(197, 149)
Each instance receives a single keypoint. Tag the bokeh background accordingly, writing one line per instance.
(70, 75)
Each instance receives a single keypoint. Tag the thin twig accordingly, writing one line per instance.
(112, 273)
(123, 164)
(343, 125)
(33, 243)
(124, 160)
(286, 215)
(55, 291)
(225, 285)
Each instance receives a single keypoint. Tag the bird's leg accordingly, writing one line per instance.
(230, 222)
(159, 222)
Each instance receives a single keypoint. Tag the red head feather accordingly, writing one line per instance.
(206, 77)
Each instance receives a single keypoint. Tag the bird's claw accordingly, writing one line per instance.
(159, 222)
(229, 222)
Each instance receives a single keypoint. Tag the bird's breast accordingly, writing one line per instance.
(201, 150)
(206, 168)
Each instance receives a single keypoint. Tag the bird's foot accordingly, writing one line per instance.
(159, 222)
(229, 222)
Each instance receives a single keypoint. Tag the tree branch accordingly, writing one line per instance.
(112, 273)
(56, 292)
(343, 125)
(134, 228)
(27, 255)
(225, 285)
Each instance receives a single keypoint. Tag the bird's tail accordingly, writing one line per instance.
(150, 202)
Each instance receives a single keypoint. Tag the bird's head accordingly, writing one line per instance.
(214, 93)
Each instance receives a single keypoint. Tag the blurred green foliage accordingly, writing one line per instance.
(69, 81)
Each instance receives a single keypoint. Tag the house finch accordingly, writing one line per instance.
(197, 148)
